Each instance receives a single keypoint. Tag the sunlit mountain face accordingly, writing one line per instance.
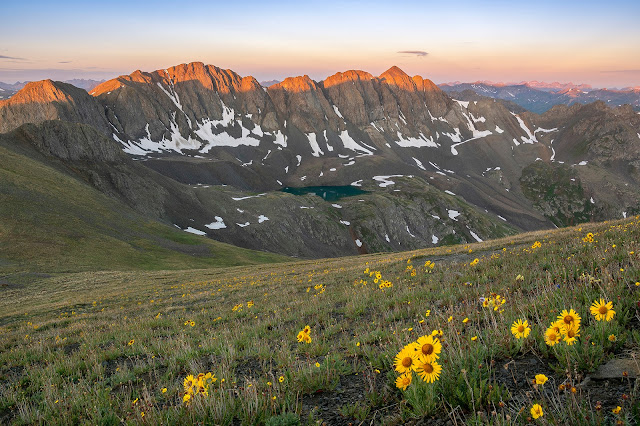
(210, 151)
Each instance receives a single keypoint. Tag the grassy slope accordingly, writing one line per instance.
(51, 222)
(66, 357)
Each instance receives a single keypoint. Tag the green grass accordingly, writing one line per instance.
(50, 222)
(65, 355)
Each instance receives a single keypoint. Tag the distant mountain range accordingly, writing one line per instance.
(539, 97)
(210, 152)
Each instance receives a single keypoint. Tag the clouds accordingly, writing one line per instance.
(12, 58)
(413, 52)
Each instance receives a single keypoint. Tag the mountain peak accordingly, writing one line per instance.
(347, 76)
(394, 73)
(42, 91)
(296, 84)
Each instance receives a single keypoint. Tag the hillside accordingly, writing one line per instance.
(109, 347)
(51, 221)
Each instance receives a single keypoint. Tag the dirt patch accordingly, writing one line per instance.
(332, 406)
(250, 367)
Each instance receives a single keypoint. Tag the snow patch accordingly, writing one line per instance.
(280, 139)
(531, 138)
(349, 143)
(419, 163)
(410, 232)
(477, 120)
(359, 243)
(315, 148)
(540, 129)
(218, 224)
(337, 206)
(385, 181)
(434, 239)
(194, 231)
(345, 222)
(475, 236)
(453, 214)
(247, 197)
(412, 142)
(262, 218)
(455, 137)
(498, 129)
(335, 109)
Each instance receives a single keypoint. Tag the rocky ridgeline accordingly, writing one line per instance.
(438, 170)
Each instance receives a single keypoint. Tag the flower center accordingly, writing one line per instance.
(427, 349)
(571, 333)
(428, 368)
(521, 328)
(568, 319)
(407, 361)
(602, 310)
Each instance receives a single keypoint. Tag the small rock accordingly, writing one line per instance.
(615, 369)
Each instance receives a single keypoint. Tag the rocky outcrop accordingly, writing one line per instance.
(51, 100)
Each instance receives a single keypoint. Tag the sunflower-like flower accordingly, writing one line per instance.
(572, 333)
(406, 360)
(520, 329)
(429, 371)
(559, 327)
(190, 383)
(570, 318)
(553, 335)
(536, 411)
(541, 379)
(429, 347)
(304, 335)
(403, 381)
(602, 311)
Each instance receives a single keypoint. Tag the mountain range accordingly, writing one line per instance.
(539, 97)
(398, 163)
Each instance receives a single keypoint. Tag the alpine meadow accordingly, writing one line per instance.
(320, 213)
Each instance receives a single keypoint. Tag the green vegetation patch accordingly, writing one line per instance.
(460, 333)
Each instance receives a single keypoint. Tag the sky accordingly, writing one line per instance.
(592, 42)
